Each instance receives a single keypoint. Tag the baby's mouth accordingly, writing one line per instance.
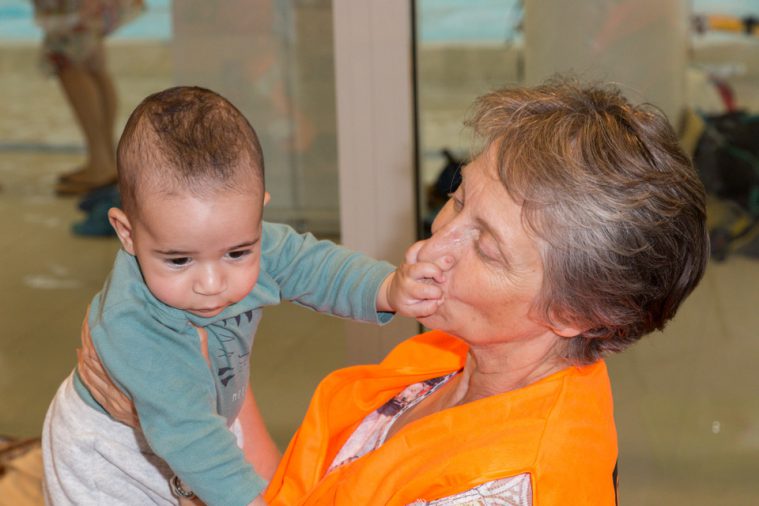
(212, 310)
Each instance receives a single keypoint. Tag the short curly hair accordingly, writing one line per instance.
(616, 205)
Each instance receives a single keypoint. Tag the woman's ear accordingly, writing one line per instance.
(123, 228)
(562, 329)
(267, 198)
(566, 330)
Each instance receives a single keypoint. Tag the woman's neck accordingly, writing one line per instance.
(491, 370)
(499, 368)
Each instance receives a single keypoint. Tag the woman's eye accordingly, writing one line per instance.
(481, 253)
(178, 262)
(236, 255)
(458, 204)
(485, 251)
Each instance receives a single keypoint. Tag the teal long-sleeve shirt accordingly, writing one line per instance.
(152, 352)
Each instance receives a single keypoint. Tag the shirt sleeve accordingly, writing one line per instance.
(323, 276)
(162, 370)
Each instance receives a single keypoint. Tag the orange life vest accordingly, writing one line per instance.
(559, 429)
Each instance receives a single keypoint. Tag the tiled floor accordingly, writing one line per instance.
(687, 400)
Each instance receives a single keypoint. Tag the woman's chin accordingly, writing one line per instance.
(432, 321)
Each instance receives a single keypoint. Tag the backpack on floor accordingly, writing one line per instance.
(727, 159)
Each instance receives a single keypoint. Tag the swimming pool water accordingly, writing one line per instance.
(17, 22)
(439, 21)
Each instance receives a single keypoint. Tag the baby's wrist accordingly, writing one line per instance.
(383, 295)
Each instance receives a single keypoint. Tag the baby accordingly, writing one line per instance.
(197, 265)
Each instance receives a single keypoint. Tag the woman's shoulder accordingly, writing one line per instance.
(433, 349)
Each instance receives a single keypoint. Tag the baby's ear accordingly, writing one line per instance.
(267, 198)
(123, 228)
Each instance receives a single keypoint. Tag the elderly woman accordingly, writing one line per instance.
(578, 228)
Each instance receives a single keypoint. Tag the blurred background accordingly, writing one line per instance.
(359, 105)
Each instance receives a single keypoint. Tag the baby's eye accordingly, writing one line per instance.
(236, 255)
(178, 262)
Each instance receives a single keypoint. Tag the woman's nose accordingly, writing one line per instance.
(210, 281)
(442, 248)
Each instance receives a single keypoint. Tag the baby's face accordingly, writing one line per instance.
(199, 254)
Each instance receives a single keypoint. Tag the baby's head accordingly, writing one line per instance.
(191, 178)
(187, 139)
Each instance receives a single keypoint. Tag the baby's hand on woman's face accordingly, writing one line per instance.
(414, 288)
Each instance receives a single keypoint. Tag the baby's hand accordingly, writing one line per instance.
(414, 288)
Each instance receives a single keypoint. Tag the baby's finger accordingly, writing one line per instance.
(423, 309)
(426, 270)
(425, 291)
(412, 253)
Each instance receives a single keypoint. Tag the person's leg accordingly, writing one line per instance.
(107, 91)
(92, 97)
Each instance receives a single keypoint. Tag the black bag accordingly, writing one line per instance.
(727, 159)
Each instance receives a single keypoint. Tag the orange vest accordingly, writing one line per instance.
(559, 429)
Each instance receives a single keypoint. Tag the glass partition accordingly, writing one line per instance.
(463, 49)
(275, 61)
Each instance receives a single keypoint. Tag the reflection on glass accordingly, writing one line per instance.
(464, 48)
(724, 121)
(275, 61)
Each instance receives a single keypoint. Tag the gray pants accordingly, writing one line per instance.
(91, 459)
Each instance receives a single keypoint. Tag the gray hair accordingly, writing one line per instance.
(616, 204)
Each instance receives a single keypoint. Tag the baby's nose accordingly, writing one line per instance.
(209, 282)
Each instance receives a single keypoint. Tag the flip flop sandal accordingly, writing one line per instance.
(82, 187)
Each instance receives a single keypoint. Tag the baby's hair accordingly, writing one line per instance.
(187, 138)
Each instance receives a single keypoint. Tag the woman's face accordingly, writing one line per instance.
(493, 270)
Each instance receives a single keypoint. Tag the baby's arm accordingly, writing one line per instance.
(176, 404)
(258, 447)
(333, 279)
(321, 275)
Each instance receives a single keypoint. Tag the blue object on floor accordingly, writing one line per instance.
(96, 204)
(108, 193)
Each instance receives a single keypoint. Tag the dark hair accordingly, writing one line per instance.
(186, 138)
(616, 204)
